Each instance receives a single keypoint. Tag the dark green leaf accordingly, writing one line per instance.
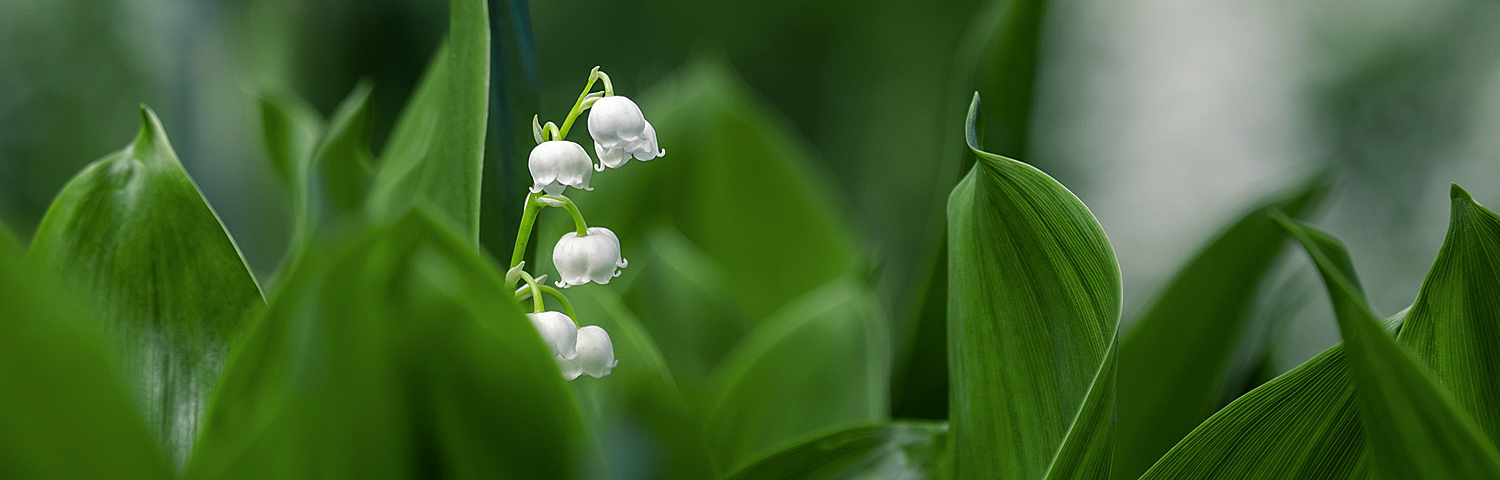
(399, 354)
(646, 429)
(1454, 325)
(515, 93)
(67, 412)
(1175, 364)
(436, 151)
(1034, 303)
(1413, 427)
(897, 451)
(290, 129)
(133, 233)
(822, 362)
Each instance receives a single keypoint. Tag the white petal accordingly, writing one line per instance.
(557, 331)
(615, 118)
(569, 368)
(612, 157)
(596, 355)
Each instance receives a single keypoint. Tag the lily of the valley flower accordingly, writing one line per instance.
(590, 258)
(596, 355)
(558, 164)
(620, 131)
(558, 332)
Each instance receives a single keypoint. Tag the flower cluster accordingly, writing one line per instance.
(586, 254)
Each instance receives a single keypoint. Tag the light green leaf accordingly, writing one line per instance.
(67, 412)
(399, 354)
(821, 363)
(642, 421)
(1034, 303)
(1177, 362)
(897, 451)
(1454, 325)
(169, 286)
(436, 151)
(738, 183)
(1413, 428)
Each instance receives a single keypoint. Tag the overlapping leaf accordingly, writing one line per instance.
(68, 414)
(822, 362)
(1454, 325)
(1412, 426)
(1176, 362)
(896, 451)
(1034, 303)
(132, 233)
(398, 354)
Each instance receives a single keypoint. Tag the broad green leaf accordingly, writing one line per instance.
(822, 362)
(1177, 362)
(896, 451)
(436, 151)
(1086, 451)
(398, 354)
(1302, 424)
(67, 412)
(738, 183)
(169, 286)
(1454, 325)
(644, 425)
(1414, 429)
(1034, 303)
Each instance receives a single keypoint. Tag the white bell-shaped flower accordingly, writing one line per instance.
(596, 355)
(557, 331)
(558, 164)
(590, 258)
(620, 132)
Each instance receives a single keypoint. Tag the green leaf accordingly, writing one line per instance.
(133, 233)
(646, 428)
(290, 129)
(399, 354)
(515, 95)
(896, 451)
(68, 414)
(1177, 362)
(436, 151)
(823, 362)
(738, 183)
(340, 169)
(674, 286)
(1302, 424)
(1454, 325)
(1413, 427)
(1034, 304)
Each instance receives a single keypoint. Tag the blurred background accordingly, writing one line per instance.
(1167, 117)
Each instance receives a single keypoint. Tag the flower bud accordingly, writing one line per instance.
(620, 131)
(596, 355)
(590, 258)
(558, 164)
(557, 331)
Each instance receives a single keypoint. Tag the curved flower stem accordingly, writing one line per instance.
(609, 88)
(580, 226)
(555, 293)
(536, 293)
(578, 105)
(523, 235)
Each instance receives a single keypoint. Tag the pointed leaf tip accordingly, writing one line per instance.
(973, 124)
(1458, 193)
